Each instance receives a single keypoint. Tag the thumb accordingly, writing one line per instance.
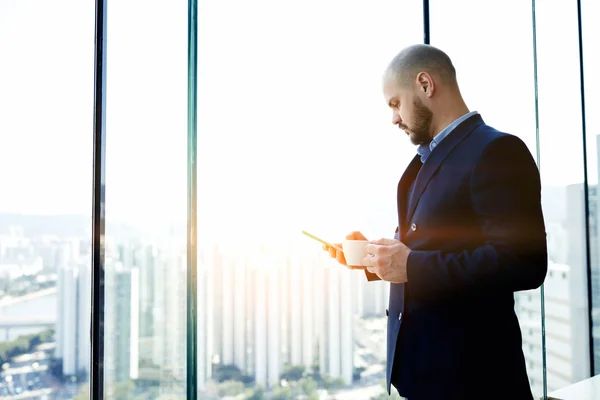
(383, 241)
(356, 235)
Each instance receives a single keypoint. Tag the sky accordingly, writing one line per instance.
(293, 131)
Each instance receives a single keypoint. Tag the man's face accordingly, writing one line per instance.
(408, 112)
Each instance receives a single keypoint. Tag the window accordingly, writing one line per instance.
(289, 94)
(494, 68)
(591, 62)
(289, 97)
(563, 193)
(46, 81)
(146, 153)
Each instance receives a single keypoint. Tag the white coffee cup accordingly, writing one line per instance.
(354, 252)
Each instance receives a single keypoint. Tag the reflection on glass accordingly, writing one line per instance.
(292, 122)
(495, 72)
(46, 81)
(145, 290)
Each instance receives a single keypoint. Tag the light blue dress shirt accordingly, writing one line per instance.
(424, 150)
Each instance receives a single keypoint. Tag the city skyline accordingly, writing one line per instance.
(293, 134)
(142, 278)
(129, 261)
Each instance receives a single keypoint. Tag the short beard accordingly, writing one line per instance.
(420, 132)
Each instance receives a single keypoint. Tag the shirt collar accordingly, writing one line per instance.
(425, 150)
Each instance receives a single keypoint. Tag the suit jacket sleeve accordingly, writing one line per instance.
(512, 254)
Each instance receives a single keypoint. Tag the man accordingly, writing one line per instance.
(470, 234)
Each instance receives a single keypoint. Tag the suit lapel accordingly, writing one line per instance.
(406, 181)
(437, 157)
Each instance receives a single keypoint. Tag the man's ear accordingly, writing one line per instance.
(425, 83)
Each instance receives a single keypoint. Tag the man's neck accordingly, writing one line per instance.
(446, 118)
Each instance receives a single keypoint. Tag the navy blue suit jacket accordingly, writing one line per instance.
(475, 227)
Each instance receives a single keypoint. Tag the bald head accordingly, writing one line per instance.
(421, 58)
(420, 87)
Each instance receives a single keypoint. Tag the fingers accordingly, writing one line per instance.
(376, 259)
(355, 236)
(384, 241)
(331, 250)
(374, 265)
(371, 265)
(334, 253)
(340, 257)
(356, 267)
(377, 249)
(369, 262)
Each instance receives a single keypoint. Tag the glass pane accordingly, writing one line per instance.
(566, 304)
(46, 93)
(591, 63)
(495, 73)
(146, 192)
(292, 123)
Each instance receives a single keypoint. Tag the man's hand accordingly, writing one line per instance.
(339, 255)
(387, 259)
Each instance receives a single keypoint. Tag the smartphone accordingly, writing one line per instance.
(338, 248)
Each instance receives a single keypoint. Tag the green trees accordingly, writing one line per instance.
(124, 390)
(231, 373)
(258, 393)
(23, 344)
(293, 373)
(308, 386)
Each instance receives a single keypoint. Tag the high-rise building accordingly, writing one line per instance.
(206, 327)
(577, 300)
(565, 297)
(301, 294)
(273, 310)
(83, 321)
(148, 264)
(146, 258)
(560, 342)
(66, 322)
(121, 316)
(372, 297)
(172, 298)
(594, 221)
(226, 315)
(73, 305)
(335, 309)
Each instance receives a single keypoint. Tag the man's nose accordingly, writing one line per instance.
(396, 120)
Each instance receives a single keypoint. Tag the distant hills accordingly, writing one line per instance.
(60, 225)
(40, 225)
